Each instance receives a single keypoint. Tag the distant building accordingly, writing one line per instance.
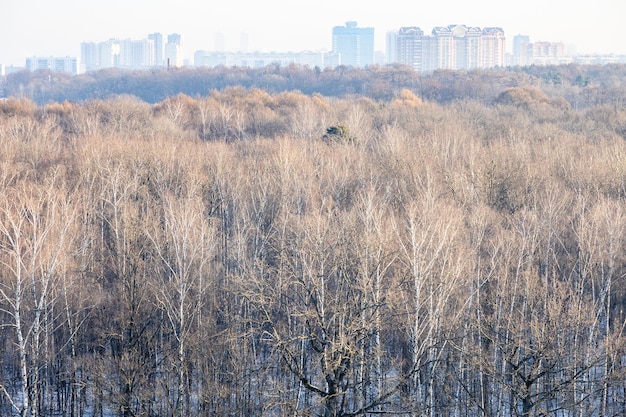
(538, 53)
(157, 39)
(520, 50)
(137, 53)
(354, 45)
(391, 39)
(407, 47)
(599, 59)
(174, 56)
(89, 56)
(99, 55)
(547, 53)
(130, 53)
(55, 64)
(261, 59)
(109, 54)
(555, 53)
(456, 47)
(493, 44)
(11, 69)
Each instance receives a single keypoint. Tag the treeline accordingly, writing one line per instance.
(257, 254)
(581, 85)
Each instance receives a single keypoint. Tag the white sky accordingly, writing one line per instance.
(57, 27)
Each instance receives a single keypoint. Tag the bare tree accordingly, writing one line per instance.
(431, 253)
(35, 226)
(119, 206)
(184, 247)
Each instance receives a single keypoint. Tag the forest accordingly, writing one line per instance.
(453, 245)
(581, 85)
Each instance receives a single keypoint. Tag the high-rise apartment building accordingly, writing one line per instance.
(89, 56)
(391, 39)
(441, 48)
(546, 53)
(493, 43)
(174, 50)
(130, 53)
(157, 39)
(469, 47)
(520, 49)
(137, 53)
(450, 47)
(538, 53)
(407, 48)
(109, 54)
(98, 55)
(354, 45)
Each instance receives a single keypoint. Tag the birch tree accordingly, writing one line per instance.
(183, 246)
(35, 242)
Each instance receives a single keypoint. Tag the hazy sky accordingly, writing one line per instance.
(57, 27)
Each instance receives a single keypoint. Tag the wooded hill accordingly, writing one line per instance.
(581, 85)
(255, 253)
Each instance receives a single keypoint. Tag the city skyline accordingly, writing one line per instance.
(445, 47)
(40, 28)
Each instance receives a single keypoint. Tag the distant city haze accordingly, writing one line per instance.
(57, 28)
